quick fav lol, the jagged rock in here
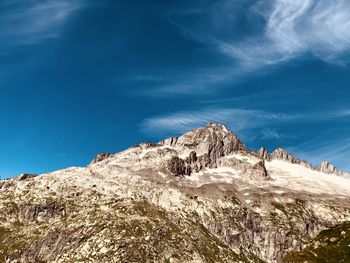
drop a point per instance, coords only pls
(6, 184)
(257, 171)
(100, 157)
(178, 167)
(209, 144)
(306, 164)
(328, 168)
(170, 141)
(194, 163)
(282, 154)
(264, 154)
(215, 140)
(29, 212)
(24, 177)
(10, 183)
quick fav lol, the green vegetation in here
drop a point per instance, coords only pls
(330, 246)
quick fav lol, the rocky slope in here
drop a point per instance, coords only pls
(200, 197)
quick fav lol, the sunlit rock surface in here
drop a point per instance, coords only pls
(201, 197)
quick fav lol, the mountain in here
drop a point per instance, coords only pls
(200, 197)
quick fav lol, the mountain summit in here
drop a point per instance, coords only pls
(200, 197)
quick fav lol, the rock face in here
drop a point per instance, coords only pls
(24, 177)
(178, 167)
(326, 167)
(282, 154)
(258, 171)
(264, 154)
(205, 147)
(215, 141)
(202, 197)
(100, 157)
(39, 212)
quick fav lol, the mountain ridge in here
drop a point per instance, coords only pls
(279, 153)
(199, 197)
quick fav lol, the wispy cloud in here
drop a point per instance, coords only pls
(203, 81)
(294, 28)
(268, 134)
(259, 34)
(237, 119)
(336, 150)
(250, 124)
(29, 22)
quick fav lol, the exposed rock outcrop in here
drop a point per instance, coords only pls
(328, 168)
(282, 154)
(257, 171)
(100, 157)
(24, 177)
(264, 154)
(39, 212)
(206, 145)
(215, 140)
(178, 167)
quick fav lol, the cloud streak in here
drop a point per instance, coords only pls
(336, 150)
(29, 22)
(275, 31)
(293, 28)
(237, 119)
(256, 36)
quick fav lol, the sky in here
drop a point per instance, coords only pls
(80, 77)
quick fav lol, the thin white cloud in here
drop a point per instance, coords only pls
(268, 134)
(262, 33)
(256, 35)
(293, 28)
(336, 150)
(30, 22)
(237, 119)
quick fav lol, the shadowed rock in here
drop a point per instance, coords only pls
(264, 154)
(100, 157)
(257, 171)
(282, 154)
(39, 212)
(178, 167)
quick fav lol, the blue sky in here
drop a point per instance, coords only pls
(79, 77)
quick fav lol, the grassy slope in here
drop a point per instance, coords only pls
(330, 246)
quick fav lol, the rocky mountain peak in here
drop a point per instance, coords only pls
(282, 154)
(218, 127)
(204, 139)
(328, 168)
(202, 148)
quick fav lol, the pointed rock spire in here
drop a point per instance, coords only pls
(328, 168)
(264, 154)
(282, 154)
